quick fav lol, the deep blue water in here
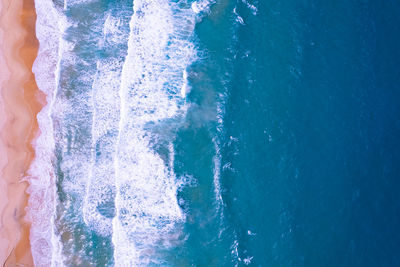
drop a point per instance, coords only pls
(310, 135)
(226, 133)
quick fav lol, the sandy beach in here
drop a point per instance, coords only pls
(20, 102)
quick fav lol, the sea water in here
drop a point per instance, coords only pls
(216, 133)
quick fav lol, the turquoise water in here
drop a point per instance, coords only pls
(226, 133)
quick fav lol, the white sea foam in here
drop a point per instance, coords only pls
(184, 86)
(217, 174)
(238, 17)
(253, 8)
(99, 198)
(46, 248)
(217, 156)
(153, 88)
(200, 6)
(112, 29)
(98, 207)
(122, 169)
(219, 203)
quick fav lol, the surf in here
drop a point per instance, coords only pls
(105, 156)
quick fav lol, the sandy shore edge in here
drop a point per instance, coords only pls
(20, 102)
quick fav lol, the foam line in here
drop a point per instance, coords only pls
(46, 247)
(98, 209)
(100, 191)
(153, 89)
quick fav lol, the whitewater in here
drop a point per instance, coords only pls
(116, 82)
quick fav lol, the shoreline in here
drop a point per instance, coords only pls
(21, 100)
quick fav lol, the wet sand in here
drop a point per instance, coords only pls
(20, 102)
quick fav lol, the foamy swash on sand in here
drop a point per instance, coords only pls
(102, 185)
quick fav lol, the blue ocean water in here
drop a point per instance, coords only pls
(310, 135)
(226, 133)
